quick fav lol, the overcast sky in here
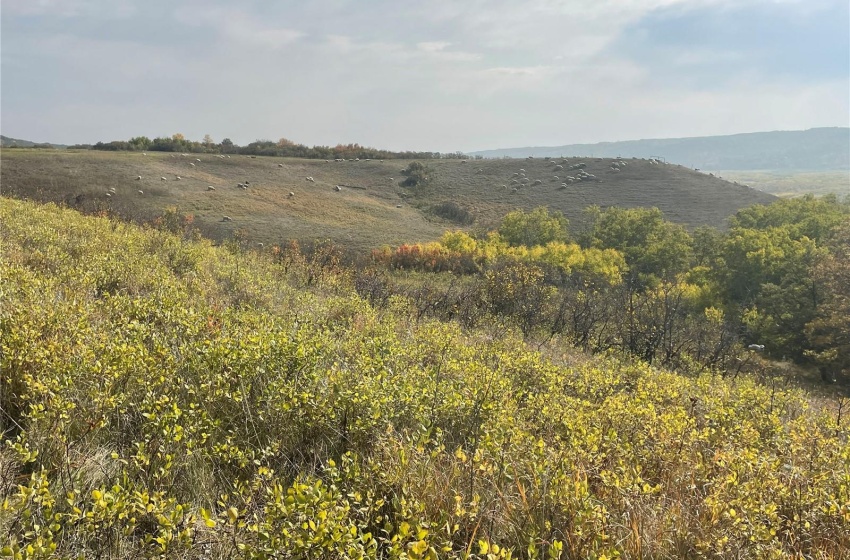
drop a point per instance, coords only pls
(441, 75)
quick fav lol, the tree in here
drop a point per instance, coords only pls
(530, 229)
(416, 173)
(208, 141)
(828, 334)
(653, 247)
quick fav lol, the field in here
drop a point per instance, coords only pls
(167, 398)
(371, 209)
(790, 183)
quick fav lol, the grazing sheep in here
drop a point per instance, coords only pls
(139, 178)
(196, 159)
(192, 164)
(463, 161)
(112, 189)
(559, 167)
(226, 219)
(291, 194)
(141, 192)
(310, 179)
(144, 153)
(337, 188)
(260, 245)
(210, 188)
(756, 347)
(281, 165)
(108, 195)
(515, 175)
(399, 206)
(522, 170)
(163, 179)
(536, 182)
(555, 178)
(179, 177)
(563, 185)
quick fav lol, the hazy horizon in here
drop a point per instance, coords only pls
(443, 77)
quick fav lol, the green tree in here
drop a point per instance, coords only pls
(534, 228)
(828, 333)
(652, 246)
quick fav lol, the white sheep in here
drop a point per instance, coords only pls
(139, 178)
(210, 188)
(163, 179)
(192, 164)
(144, 153)
(226, 219)
(337, 188)
(291, 194)
(756, 347)
(179, 177)
(280, 165)
(141, 192)
(108, 195)
(197, 159)
(310, 179)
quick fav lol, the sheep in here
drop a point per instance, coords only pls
(291, 194)
(522, 170)
(163, 179)
(240, 185)
(141, 191)
(281, 165)
(260, 245)
(192, 164)
(144, 153)
(399, 206)
(563, 185)
(139, 178)
(536, 182)
(108, 195)
(756, 347)
(515, 175)
(210, 188)
(197, 159)
(310, 179)
(555, 178)
(463, 161)
(559, 167)
(226, 219)
(179, 177)
(112, 189)
(337, 188)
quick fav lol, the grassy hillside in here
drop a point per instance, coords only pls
(816, 149)
(371, 209)
(167, 397)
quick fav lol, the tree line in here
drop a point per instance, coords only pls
(635, 282)
(281, 148)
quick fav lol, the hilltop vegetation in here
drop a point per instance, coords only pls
(373, 207)
(162, 396)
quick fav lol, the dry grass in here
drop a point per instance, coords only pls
(371, 210)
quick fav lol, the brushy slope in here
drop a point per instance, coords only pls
(371, 209)
(166, 397)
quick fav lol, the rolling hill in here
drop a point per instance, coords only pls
(371, 208)
(816, 149)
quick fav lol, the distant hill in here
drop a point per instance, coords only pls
(816, 149)
(7, 142)
(370, 208)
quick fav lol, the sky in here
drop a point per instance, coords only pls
(442, 75)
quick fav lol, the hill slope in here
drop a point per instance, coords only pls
(371, 208)
(813, 149)
(165, 398)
